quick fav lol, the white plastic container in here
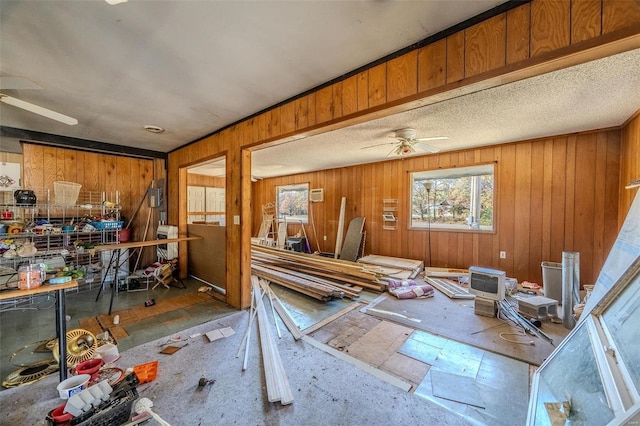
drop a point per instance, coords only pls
(552, 280)
(108, 352)
(73, 385)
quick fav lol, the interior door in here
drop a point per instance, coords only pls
(214, 201)
(195, 203)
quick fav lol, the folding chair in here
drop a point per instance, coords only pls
(164, 276)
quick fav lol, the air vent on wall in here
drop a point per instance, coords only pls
(316, 195)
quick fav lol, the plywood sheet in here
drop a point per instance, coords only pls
(376, 346)
(353, 240)
(455, 319)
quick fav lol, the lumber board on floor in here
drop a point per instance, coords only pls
(315, 276)
(278, 389)
(330, 318)
(394, 267)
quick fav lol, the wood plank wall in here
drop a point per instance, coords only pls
(544, 205)
(542, 32)
(130, 177)
(194, 179)
(630, 163)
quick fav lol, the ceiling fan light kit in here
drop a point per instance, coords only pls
(10, 100)
(407, 143)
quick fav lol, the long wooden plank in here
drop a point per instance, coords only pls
(330, 318)
(315, 280)
(320, 273)
(286, 318)
(278, 388)
(336, 265)
(339, 234)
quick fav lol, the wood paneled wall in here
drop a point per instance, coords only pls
(552, 195)
(528, 40)
(130, 177)
(194, 179)
(630, 164)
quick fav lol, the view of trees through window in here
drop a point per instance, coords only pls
(293, 202)
(460, 198)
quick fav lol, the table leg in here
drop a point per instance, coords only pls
(114, 285)
(61, 332)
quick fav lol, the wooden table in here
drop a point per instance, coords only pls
(115, 257)
(61, 322)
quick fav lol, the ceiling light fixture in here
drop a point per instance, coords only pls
(114, 2)
(38, 110)
(153, 129)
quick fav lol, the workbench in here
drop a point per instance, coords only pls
(115, 256)
(61, 322)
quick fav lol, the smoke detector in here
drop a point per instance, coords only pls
(153, 129)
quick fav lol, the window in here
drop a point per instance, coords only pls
(457, 198)
(293, 203)
(594, 371)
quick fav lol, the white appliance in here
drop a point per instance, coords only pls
(113, 266)
(167, 251)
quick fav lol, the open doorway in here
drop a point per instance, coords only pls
(206, 218)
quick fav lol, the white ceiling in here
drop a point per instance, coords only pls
(194, 67)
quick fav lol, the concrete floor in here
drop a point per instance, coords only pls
(326, 390)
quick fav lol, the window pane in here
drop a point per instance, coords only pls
(293, 203)
(572, 375)
(621, 319)
(458, 198)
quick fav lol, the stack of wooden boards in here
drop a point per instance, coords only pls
(316, 276)
(394, 267)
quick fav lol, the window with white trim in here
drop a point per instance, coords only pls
(293, 203)
(455, 198)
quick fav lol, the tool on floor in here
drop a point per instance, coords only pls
(204, 382)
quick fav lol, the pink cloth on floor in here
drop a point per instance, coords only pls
(393, 283)
(413, 292)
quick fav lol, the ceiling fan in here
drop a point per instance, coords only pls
(16, 83)
(407, 143)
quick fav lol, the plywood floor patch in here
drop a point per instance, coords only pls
(380, 343)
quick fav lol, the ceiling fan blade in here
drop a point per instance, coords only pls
(425, 147)
(434, 138)
(380, 144)
(38, 110)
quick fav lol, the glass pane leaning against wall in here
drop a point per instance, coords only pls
(593, 378)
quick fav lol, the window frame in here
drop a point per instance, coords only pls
(450, 173)
(622, 393)
(296, 218)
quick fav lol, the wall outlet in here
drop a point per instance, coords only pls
(325, 238)
(503, 255)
